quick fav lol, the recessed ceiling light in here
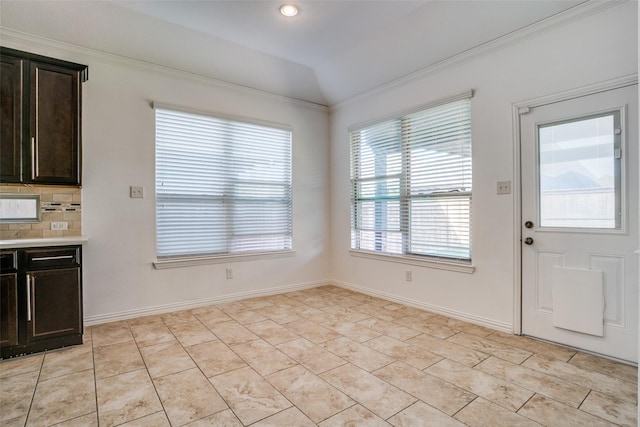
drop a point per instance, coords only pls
(288, 10)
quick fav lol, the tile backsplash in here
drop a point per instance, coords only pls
(56, 204)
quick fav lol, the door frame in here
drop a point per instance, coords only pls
(523, 107)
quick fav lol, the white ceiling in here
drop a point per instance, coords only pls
(332, 50)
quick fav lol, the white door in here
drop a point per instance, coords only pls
(579, 175)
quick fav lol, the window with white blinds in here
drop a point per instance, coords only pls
(411, 184)
(222, 187)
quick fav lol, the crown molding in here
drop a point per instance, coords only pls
(42, 45)
(576, 13)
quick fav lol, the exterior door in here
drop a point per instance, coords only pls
(579, 175)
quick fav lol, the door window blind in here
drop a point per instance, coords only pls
(411, 184)
(222, 186)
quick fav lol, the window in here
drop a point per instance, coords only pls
(222, 187)
(411, 184)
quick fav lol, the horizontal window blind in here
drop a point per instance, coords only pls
(222, 186)
(411, 184)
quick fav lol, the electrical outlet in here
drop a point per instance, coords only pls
(59, 225)
(136, 192)
(408, 276)
(503, 187)
(229, 273)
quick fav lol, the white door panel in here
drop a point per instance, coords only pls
(579, 175)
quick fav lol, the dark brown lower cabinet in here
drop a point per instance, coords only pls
(41, 301)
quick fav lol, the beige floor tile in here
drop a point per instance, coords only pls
(438, 393)
(126, 397)
(288, 417)
(313, 314)
(166, 358)
(378, 311)
(191, 333)
(356, 416)
(63, 398)
(279, 314)
(224, 418)
(538, 347)
(188, 396)
(145, 320)
(351, 330)
(505, 394)
(421, 414)
(117, 359)
(448, 350)
(611, 409)
(21, 365)
(358, 354)
(212, 317)
(67, 361)
(546, 385)
(482, 413)
(89, 420)
(15, 422)
(256, 303)
(231, 305)
(311, 356)
(407, 353)
(626, 390)
(272, 332)
(245, 315)
(605, 366)
(263, 357)
(403, 309)
(313, 396)
(461, 326)
(159, 419)
(250, 397)
(214, 358)
(16, 392)
(177, 317)
(548, 412)
(311, 331)
(203, 309)
(110, 333)
(426, 327)
(233, 333)
(378, 396)
(499, 350)
(346, 313)
(151, 334)
(391, 329)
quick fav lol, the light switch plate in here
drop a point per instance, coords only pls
(136, 192)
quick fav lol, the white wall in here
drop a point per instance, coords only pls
(590, 50)
(118, 151)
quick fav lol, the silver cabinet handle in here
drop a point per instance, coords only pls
(34, 161)
(28, 298)
(50, 258)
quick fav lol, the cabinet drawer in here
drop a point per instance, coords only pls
(8, 261)
(68, 256)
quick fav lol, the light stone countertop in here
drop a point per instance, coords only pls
(50, 241)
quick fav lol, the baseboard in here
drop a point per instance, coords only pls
(477, 320)
(186, 305)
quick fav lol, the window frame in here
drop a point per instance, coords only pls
(404, 198)
(189, 259)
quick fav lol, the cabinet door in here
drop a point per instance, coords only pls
(55, 125)
(8, 309)
(10, 118)
(53, 303)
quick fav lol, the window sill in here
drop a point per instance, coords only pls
(419, 261)
(176, 262)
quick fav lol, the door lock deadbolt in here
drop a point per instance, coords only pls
(528, 224)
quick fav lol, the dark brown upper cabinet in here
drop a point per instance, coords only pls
(41, 101)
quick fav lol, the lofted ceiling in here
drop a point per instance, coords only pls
(331, 51)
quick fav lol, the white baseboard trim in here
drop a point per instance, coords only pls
(478, 320)
(186, 305)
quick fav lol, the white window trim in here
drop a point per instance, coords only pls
(177, 262)
(419, 261)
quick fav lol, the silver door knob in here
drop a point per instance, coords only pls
(528, 241)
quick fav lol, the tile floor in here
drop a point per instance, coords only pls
(324, 356)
